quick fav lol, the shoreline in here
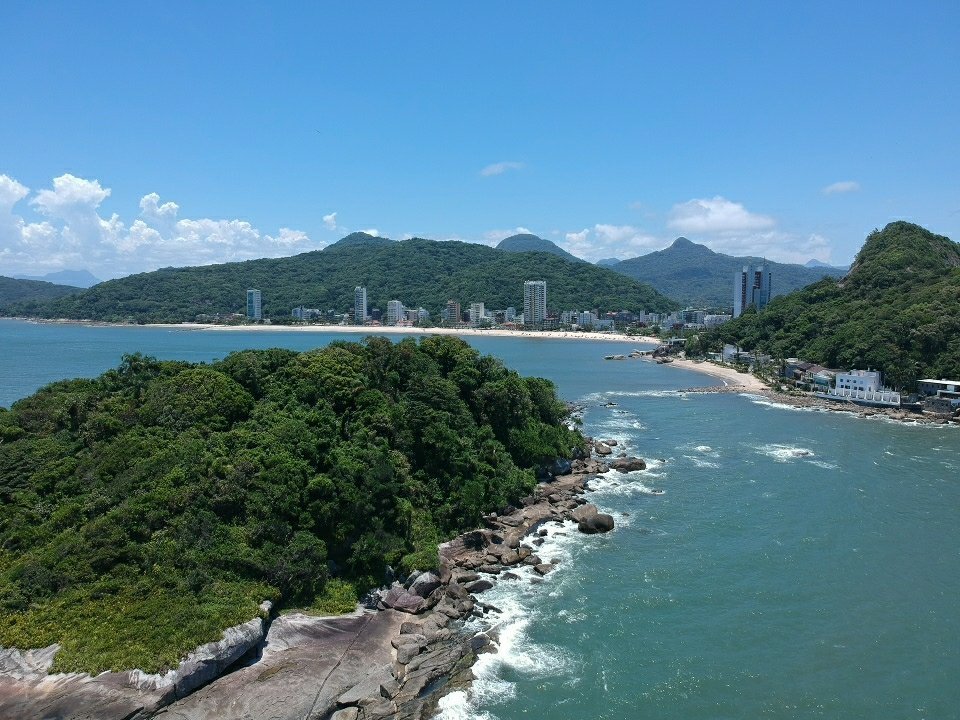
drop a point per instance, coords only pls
(367, 330)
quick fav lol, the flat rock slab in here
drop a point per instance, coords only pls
(307, 664)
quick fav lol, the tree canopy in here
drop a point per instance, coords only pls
(147, 509)
(898, 310)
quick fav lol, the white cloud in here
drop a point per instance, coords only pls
(606, 240)
(774, 245)
(492, 237)
(716, 215)
(500, 168)
(75, 235)
(330, 221)
(372, 231)
(844, 186)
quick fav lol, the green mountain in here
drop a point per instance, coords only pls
(146, 510)
(28, 291)
(897, 310)
(418, 272)
(359, 239)
(74, 278)
(525, 242)
(697, 276)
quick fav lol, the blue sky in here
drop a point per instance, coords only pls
(139, 135)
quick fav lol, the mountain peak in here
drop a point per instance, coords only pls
(359, 238)
(681, 242)
(527, 242)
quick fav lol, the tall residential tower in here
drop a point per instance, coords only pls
(359, 305)
(534, 302)
(750, 287)
(254, 305)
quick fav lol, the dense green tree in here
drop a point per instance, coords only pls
(149, 508)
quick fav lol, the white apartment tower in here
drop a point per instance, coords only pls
(534, 302)
(395, 312)
(359, 305)
(254, 305)
(477, 313)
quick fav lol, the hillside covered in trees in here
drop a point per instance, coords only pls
(146, 510)
(19, 291)
(697, 276)
(418, 272)
(898, 310)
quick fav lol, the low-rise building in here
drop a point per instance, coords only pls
(950, 388)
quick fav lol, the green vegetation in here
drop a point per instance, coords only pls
(526, 242)
(146, 510)
(31, 291)
(898, 310)
(418, 272)
(696, 276)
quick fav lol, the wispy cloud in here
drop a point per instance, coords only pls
(844, 186)
(501, 167)
(605, 240)
(330, 221)
(492, 237)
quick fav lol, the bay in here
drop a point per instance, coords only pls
(799, 564)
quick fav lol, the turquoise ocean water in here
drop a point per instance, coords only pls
(799, 565)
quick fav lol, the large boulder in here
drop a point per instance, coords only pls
(602, 448)
(399, 599)
(628, 464)
(560, 466)
(591, 521)
(424, 584)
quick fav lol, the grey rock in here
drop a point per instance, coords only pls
(399, 599)
(544, 568)
(478, 586)
(425, 584)
(628, 464)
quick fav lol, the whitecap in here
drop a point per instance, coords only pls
(784, 453)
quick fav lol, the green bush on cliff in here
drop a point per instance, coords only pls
(146, 510)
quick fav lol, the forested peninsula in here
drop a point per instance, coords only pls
(897, 310)
(150, 508)
(417, 272)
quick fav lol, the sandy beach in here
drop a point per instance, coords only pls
(731, 377)
(405, 330)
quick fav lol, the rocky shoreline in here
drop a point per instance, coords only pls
(393, 660)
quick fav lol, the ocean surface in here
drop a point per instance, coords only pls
(800, 564)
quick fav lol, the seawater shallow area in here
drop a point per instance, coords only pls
(798, 565)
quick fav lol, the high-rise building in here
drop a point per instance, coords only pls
(534, 302)
(451, 313)
(751, 286)
(477, 313)
(395, 312)
(359, 305)
(254, 305)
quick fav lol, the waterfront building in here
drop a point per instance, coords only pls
(948, 388)
(510, 314)
(534, 302)
(451, 313)
(254, 305)
(868, 380)
(477, 313)
(751, 286)
(395, 312)
(359, 305)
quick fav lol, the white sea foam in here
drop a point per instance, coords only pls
(518, 602)
(784, 453)
(703, 449)
(700, 462)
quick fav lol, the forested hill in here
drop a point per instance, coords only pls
(697, 276)
(417, 272)
(526, 242)
(898, 310)
(16, 291)
(146, 510)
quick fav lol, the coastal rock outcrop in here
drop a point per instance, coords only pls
(591, 521)
(628, 464)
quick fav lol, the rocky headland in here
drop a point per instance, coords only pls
(394, 658)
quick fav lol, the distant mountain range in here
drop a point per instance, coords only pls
(818, 264)
(897, 310)
(418, 272)
(695, 275)
(75, 278)
(15, 290)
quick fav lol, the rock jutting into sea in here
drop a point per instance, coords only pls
(394, 661)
